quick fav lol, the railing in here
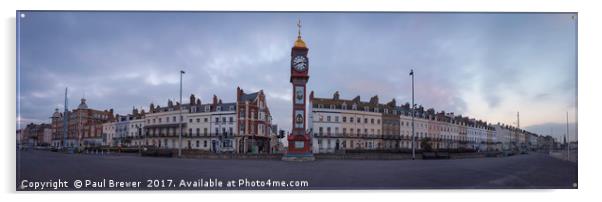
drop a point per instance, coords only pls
(355, 135)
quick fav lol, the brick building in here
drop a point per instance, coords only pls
(84, 126)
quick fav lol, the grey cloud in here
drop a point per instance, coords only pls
(125, 59)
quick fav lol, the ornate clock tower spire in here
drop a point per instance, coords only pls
(299, 147)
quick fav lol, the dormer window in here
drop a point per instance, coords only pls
(332, 106)
(207, 108)
(219, 108)
(354, 107)
(344, 106)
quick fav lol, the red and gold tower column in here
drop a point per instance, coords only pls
(299, 141)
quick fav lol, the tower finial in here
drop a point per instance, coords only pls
(299, 27)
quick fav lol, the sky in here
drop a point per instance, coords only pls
(487, 66)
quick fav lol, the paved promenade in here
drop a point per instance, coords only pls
(533, 170)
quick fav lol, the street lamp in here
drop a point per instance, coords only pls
(568, 140)
(413, 107)
(180, 122)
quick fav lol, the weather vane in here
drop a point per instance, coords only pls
(299, 26)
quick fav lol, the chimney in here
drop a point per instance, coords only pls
(214, 99)
(336, 95)
(374, 100)
(239, 93)
(192, 99)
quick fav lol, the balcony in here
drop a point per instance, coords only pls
(361, 135)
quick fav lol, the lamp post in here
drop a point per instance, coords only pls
(568, 140)
(181, 118)
(413, 136)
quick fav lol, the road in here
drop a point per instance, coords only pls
(522, 171)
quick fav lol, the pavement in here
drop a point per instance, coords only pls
(565, 155)
(530, 171)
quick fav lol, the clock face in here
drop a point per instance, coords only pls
(300, 63)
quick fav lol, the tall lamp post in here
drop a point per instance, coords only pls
(413, 136)
(181, 118)
(568, 140)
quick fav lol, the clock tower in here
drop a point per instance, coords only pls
(299, 141)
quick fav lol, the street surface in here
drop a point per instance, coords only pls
(534, 170)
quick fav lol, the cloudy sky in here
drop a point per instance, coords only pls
(487, 66)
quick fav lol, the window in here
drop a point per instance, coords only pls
(231, 119)
(328, 118)
(344, 119)
(205, 143)
(190, 121)
(336, 119)
(206, 120)
(198, 120)
(365, 120)
(198, 131)
(350, 119)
